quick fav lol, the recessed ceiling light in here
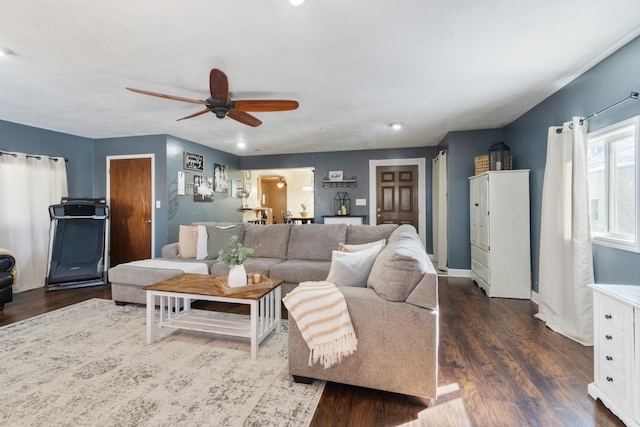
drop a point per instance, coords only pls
(296, 2)
(396, 126)
(241, 145)
(5, 51)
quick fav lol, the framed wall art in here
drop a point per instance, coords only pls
(221, 178)
(193, 161)
(336, 175)
(203, 188)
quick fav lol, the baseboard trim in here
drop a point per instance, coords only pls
(455, 272)
(534, 296)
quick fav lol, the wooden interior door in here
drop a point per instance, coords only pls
(397, 195)
(130, 203)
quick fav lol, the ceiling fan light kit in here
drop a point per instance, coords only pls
(220, 104)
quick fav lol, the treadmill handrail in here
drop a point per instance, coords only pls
(80, 217)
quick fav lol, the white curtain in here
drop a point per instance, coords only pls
(439, 205)
(28, 185)
(566, 261)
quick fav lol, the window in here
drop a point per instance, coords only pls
(613, 160)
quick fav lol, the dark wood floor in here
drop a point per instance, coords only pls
(499, 366)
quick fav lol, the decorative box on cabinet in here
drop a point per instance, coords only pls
(616, 350)
(499, 231)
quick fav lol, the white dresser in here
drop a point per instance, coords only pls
(499, 227)
(616, 351)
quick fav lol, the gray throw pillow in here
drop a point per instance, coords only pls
(398, 269)
(219, 238)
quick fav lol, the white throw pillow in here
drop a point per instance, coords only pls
(352, 268)
(355, 248)
(201, 248)
(187, 241)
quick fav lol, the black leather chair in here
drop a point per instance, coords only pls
(8, 274)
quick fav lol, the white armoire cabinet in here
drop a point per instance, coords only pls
(499, 221)
(616, 350)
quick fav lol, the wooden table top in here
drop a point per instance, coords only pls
(205, 284)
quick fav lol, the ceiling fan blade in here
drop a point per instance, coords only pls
(243, 117)
(162, 95)
(219, 85)
(265, 105)
(206, 110)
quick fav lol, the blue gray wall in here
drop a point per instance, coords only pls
(606, 83)
(174, 210)
(461, 148)
(182, 209)
(77, 150)
(153, 144)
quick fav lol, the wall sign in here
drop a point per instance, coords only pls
(193, 161)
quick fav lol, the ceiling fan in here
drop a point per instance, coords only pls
(220, 104)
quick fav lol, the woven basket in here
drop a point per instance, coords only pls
(481, 164)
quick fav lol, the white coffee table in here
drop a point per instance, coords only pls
(175, 295)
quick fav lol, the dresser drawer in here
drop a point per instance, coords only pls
(612, 337)
(480, 255)
(613, 358)
(480, 270)
(614, 383)
(614, 314)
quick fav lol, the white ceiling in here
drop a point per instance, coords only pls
(354, 65)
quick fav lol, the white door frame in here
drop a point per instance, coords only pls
(422, 191)
(153, 191)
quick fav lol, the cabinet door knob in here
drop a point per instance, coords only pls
(476, 204)
(608, 337)
(607, 316)
(610, 379)
(609, 358)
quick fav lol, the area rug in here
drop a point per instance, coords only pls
(89, 365)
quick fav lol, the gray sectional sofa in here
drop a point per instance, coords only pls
(396, 322)
(394, 314)
(291, 252)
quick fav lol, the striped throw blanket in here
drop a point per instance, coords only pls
(321, 313)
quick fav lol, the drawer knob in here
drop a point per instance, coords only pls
(609, 358)
(610, 379)
(608, 337)
(607, 316)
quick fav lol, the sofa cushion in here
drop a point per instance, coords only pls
(187, 241)
(252, 265)
(315, 241)
(203, 239)
(355, 248)
(300, 270)
(218, 237)
(359, 234)
(402, 232)
(267, 241)
(352, 268)
(398, 268)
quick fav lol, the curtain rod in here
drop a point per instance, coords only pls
(31, 156)
(632, 95)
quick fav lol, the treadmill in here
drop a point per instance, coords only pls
(77, 243)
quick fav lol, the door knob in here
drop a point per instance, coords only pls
(379, 216)
(378, 210)
(148, 221)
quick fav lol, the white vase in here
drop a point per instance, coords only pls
(237, 276)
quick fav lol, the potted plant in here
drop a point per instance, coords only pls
(235, 258)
